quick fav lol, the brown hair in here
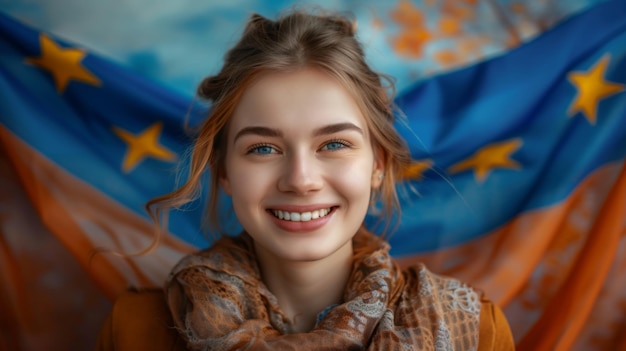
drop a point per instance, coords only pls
(293, 41)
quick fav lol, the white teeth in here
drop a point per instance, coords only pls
(301, 216)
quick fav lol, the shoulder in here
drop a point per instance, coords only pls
(223, 271)
(213, 291)
(495, 333)
(462, 311)
(229, 259)
(228, 254)
(139, 320)
(451, 294)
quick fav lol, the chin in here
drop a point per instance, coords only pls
(311, 252)
(307, 256)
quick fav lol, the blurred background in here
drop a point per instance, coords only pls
(179, 42)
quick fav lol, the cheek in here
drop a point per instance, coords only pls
(247, 182)
(354, 180)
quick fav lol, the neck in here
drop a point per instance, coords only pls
(304, 289)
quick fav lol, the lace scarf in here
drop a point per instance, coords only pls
(219, 302)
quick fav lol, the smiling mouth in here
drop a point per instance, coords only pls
(302, 216)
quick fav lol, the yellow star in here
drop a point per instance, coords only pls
(142, 145)
(63, 63)
(492, 156)
(416, 169)
(592, 88)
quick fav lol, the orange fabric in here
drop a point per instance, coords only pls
(495, 333)
(63, 201)
(574, 301)
(44, 291)
(139, 321)
(142, 321)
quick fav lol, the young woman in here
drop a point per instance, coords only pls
(300, 135)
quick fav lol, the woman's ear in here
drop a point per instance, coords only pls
(378, 173)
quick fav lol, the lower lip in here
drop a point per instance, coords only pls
(300, 227)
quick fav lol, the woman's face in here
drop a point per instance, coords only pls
(299, 165)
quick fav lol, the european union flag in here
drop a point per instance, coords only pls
(518, 185)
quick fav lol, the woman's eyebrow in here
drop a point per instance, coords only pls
(262, 131)
(270, 132)
(335, 128)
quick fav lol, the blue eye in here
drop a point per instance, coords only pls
(334, 145)
(262, 150)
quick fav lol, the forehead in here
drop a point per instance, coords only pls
(305, 97)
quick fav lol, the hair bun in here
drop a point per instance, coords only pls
(210, 87)
(256, 21)
(344, 24)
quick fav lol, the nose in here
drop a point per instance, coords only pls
(301, 174)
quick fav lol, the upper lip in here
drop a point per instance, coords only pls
(298, 208)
